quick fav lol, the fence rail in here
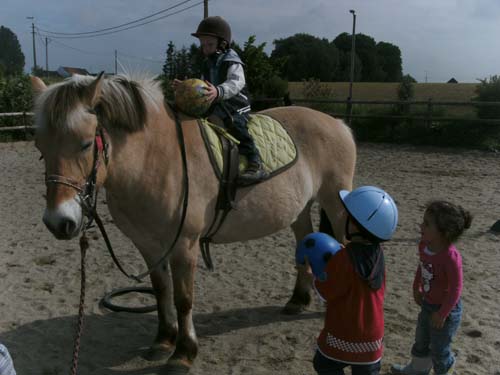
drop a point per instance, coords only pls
(427, 117)
(26, 127)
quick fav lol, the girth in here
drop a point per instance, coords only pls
(227, 191)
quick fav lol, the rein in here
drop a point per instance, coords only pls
(88, 200)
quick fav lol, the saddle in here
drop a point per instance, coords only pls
(277, 150)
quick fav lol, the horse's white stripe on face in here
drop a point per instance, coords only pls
(69, 211)
(77, 118)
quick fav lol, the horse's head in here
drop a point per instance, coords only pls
(76, 121)
(68, 136)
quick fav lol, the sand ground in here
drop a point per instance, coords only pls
(237, 307)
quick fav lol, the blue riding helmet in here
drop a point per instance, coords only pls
(316, 246)
(373, 209)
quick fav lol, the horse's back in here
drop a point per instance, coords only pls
(318, 136)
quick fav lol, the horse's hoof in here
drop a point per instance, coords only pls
(176, 367)
(293, 308)
(158, 352)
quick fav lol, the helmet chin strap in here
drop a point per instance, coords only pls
(349, 235)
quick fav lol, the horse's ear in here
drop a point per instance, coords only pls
(37, 85)
(94, 90)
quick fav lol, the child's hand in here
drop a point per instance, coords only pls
(175, 83)
(306, 267)
(418, 297)
(211, 92)
(437, 321)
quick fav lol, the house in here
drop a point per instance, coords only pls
(452, 80)
(66, 71)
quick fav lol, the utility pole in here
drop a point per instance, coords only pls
(353, 48)
(205, 9)
(46, 57)
(116, 62)
(34, 48)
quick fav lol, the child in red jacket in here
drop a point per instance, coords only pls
(353, 283)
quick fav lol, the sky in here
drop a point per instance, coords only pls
(439, 39)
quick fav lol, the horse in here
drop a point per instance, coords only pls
(140, 168)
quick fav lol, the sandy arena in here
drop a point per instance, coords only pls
(237, 307)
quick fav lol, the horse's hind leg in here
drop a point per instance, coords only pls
(332, 206)
(301, 296)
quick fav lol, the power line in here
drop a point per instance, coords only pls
(128, 28)
(119, 26)
(79, 50)
(140, 58)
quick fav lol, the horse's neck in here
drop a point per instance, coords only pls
(144, 158)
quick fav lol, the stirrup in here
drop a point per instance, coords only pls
(252, 175)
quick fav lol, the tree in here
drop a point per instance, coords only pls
(169, 66)
(261, 75)
(182, 64)
(306, 57)
(389, 59)
(196, 60)
(378, 62)
(11, 56)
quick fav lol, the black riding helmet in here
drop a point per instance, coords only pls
(214, 26)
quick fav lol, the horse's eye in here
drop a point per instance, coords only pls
(86, 145)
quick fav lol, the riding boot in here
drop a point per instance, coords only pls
(253, 173)
(417, 366)
(450, 370)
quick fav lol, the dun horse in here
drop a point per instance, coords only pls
(141, 170)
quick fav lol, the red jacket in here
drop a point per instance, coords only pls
(354, 323)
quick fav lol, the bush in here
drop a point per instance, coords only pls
(275, 87)
(15, 96)
(489, 91)
(314, 89)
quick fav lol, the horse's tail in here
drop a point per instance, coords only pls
(325, 224)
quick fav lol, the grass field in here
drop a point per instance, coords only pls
(388, 91)
(438, 92)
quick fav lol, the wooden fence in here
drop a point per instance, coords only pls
(26, 126)
(426, 116)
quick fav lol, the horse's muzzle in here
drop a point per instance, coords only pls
(65, 222)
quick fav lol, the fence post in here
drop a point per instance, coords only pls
(429, 113)
(25, 126)
(349, 110)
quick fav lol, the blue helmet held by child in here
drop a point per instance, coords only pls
(373, 209)
(318, 247)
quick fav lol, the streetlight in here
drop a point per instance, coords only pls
(34, 50)
(353, 48)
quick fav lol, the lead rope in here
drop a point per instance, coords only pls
(84, 245)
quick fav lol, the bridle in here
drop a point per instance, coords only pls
(87, 193)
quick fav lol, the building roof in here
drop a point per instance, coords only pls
(71, 70)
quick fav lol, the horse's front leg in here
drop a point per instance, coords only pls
(183, 265)
(164, 343)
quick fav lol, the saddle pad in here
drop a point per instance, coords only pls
(276, 147)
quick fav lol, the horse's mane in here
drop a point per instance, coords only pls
(123, 104)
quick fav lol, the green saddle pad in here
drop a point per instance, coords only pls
(276, 147)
